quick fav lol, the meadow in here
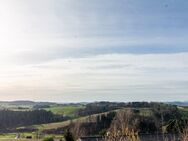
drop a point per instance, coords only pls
(68, 110)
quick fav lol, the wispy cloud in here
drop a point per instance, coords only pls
(114, 74)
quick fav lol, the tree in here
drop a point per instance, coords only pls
(68, 136)
(78, 129)
(122, 127)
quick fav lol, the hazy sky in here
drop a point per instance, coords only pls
(91, 50)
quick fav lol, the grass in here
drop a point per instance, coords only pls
(65, 110)
(183, 110)
(57, 125)
(147, 112)
(68, 110)
(8, 135)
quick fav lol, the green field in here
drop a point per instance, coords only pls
(65, 110)
(185, 108)
(7, 136)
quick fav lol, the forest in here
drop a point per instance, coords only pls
(10, 119)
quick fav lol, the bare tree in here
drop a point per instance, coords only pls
(78, 130)
(122, 127)
(184, 134)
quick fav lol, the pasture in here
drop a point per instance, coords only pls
(68, 110)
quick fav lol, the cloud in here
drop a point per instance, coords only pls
(35, 32)
(117, 75)
(39, 50)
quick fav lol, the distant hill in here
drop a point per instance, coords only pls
(178, 103)
(17, 102)
(24, 103)
(32, 103)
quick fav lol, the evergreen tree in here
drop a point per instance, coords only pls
(68, 136)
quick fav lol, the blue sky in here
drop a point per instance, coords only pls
(93, 50)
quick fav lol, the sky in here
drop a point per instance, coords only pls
(94, 50)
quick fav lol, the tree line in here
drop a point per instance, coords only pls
(11, 119)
